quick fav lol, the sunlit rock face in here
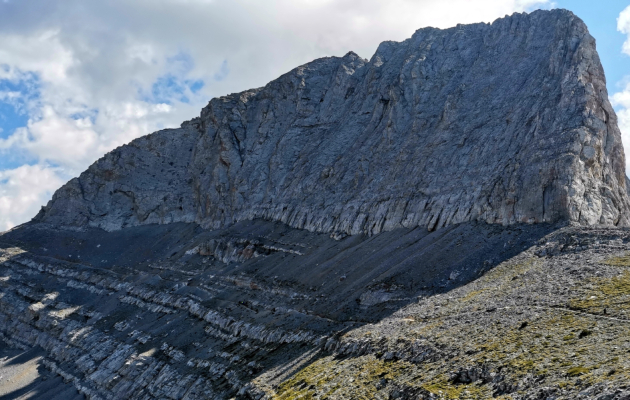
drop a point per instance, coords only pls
(503, 123)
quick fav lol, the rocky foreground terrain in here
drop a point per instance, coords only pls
(262, 310)
(447, 220)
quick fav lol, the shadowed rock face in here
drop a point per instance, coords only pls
(504, 123)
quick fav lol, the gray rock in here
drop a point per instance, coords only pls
(161, 321)
(504, 123)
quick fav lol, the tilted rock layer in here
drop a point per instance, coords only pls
(200, 296)
(505, 122)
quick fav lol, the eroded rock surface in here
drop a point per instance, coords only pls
(471, 311)
(277, 247)
(176, 311)
(505, 122)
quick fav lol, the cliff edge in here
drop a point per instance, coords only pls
(504, 123)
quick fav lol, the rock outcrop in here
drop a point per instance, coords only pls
(504, 123)
(177, 312)
(263, 311)
(277, 247)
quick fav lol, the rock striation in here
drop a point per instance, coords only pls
(504, 123)
(277, 247)
(177, 312)
(263, 311)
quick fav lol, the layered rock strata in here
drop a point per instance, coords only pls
(405, 314)
(177, 312)
(505, 122)
(238, 256)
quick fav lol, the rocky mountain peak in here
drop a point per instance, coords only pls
(237, 257)
(505, 123)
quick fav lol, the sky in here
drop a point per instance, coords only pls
(80, 78)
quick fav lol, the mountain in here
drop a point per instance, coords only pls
(503, 123)
(444, 221)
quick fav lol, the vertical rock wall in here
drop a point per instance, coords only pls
(504, 123)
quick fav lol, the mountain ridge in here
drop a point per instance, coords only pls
(443, 221)
(430, 132)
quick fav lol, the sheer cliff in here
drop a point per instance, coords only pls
(504, 123)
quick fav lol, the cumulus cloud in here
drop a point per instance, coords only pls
(621, 99)
(90, 76)
(23, 191)
(623, 26)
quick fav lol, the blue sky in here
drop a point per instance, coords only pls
(78, 78)
(601, 19)
(17, 99)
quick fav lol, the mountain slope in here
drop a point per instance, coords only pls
(444, 221)
(503, 123)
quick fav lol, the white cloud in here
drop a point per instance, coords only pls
(61, 140)
(110, 71)
(621, 102)
(623, 26)
(23, 191)
(621, 99)
(39, 51)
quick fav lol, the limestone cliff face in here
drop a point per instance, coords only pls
(505, 122)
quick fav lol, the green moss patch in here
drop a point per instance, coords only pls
(577, 371)
(607, 293)
(355, 378)
(623, 261)
(447, 390)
